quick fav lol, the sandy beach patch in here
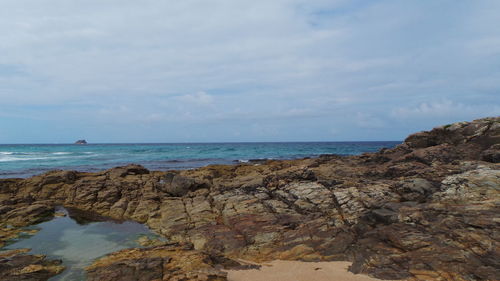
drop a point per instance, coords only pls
(298, 271)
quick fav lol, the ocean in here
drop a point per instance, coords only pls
(24, 160)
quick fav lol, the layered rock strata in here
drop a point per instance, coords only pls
(425, 210)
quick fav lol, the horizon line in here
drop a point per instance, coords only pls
(209, 142)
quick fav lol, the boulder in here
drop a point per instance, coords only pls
(131, 169)
(180, 185)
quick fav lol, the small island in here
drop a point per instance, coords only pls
(81, 142)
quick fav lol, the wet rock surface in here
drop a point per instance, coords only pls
(425, 210)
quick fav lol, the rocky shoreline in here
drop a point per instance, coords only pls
(425, 210)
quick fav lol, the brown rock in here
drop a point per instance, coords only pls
(427, 209)
(16, 265)
(169, 262)
(131, 169)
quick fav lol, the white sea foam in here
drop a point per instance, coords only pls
(6, 153)
(7, 159)
(25, 153)
(61, 153)
(11, 159)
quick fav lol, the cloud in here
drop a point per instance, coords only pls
(295, 66)
(445, 108)
(368, 121)
(199, 98)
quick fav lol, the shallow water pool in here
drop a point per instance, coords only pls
(79, 244)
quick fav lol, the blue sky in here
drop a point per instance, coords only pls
(226, 70)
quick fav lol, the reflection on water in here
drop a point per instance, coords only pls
(78, 245)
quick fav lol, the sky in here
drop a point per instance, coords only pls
(233, 71)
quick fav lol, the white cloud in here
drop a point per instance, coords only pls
(315, 64)
(199, 98)
(369, 121)
(445, 108)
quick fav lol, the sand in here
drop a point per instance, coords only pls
(298, 271)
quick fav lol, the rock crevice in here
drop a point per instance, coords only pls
(425, 210)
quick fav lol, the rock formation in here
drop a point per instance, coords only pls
(16, 265)
(81, 142)
(425, 210)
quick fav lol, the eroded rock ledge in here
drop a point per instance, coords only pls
(425, 210)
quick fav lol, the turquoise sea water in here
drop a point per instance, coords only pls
(23, 160)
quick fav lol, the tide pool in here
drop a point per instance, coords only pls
(78, 245)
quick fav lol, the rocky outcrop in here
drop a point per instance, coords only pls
(425, 210)
(454, 228)
(81, 142)
(170, 263)
(16, 265)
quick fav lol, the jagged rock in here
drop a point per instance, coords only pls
(15, 265)
(170, 263)
(418, 185)
(180, 185)
(27, 214)
(481, 184)
(427, 209)
(484, 132)
(492, 154)
(415, 189)
(131, 169)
